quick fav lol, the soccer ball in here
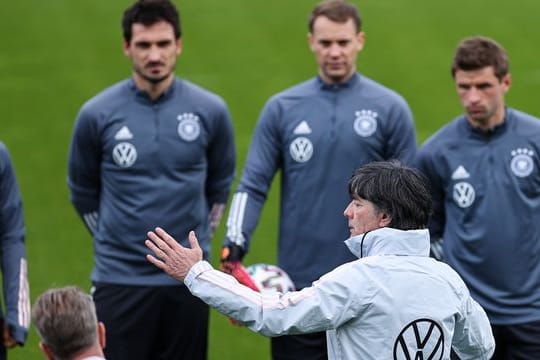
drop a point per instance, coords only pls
(270, 278)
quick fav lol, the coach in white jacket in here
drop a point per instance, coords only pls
(394, 302)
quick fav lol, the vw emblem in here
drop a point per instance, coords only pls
(301, 149)
(522, 165)
(124, 154)
(421, 339)
(464, 194)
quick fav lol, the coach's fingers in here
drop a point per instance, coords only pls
(155, 261)
(155, 249)
(158, 242)
(193, 240)
(167, 239)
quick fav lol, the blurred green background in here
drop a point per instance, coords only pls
(58, 53)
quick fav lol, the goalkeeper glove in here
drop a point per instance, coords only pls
(231, 263)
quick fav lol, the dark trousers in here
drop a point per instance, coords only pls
(161, 323)
(3, 350)
(517, 342)
(300, 347)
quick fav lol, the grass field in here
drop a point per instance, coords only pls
(58, 53)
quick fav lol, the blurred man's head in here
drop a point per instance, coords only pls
(335, 37)
(65, 319)
(481, 75)
(150, 12)
(152, 40)
(387, 194)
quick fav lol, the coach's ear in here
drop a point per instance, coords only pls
(384, 219)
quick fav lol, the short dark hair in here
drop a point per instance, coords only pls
(478, 52)
(66, 321)
(397, 190)
(149, 12)
(338, 11)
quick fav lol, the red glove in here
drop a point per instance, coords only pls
(231, 264)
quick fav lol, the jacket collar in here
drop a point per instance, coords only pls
(389, 241)
(354, 79)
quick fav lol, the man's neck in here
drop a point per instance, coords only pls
(488, 125)
(93, 351)
(331, 81)
(154, 90)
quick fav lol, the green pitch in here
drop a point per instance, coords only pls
(56, 54)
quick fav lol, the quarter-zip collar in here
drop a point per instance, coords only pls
(389, 241)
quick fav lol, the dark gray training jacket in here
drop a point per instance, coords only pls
(13, 252)
(317, 135)
(486, 193)
(135, 164)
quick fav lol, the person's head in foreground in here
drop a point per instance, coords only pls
(481, 74)
(387, 194)
(65, 319)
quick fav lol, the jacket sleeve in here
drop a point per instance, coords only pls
(473, 338)
(325, 305)
(402, 136)
(263, 161)
(221, 164)
(13, 252)
(84, 168)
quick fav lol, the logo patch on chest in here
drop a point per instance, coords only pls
(463, 194)
(189, 126)
(124, 154)
(301, 149)
(302, 129)
(365, 123)
(522, 163)
(123, 134)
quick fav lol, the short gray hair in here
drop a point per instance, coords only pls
(66, 321)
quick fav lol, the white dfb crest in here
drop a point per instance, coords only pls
(270, 278)
(188, 126)
(365, 123)
(124, 154)
(522, 163)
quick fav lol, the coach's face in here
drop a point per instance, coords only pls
(336, 46)
(153, 51)
(363, 216)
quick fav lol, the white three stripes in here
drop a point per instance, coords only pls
(236, 218)
(23, 304)
(91, 220)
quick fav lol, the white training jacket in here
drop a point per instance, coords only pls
(394, 302)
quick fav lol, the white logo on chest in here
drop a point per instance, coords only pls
(522, 163)
(463, 194)
(365, 123)
(301, 149)
(124, 154)
(188, 126)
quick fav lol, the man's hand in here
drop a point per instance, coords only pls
(231, 255)
(170, 256)
(9, 341)
(231, 263)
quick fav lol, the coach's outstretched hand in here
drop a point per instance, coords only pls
(170, 256)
